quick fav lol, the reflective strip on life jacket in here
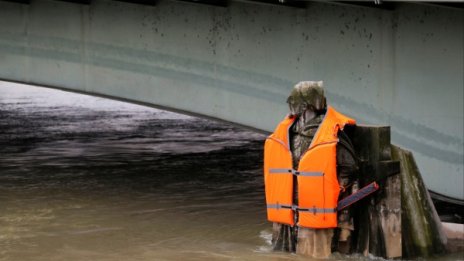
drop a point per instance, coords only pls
(295, 172)
(310, 173)
(280, 171)
(278, 206)
(318, 210)
(294, 207)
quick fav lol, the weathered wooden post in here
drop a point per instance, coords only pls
(423, 234)
(400, 220)
(377, 218)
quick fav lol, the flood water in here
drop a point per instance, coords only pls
(85, 178)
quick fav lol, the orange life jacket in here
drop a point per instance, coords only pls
(318, 186)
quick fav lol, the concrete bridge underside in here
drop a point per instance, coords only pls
(237, 63)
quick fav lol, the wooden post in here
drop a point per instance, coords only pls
(377, 218)
(423, 235)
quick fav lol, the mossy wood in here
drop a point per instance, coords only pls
(423, 234)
